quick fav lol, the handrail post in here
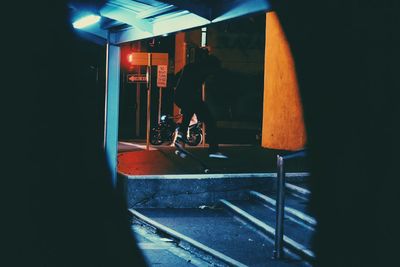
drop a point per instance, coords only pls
(280, 206)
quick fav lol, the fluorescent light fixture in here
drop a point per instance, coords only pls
(86, 21)
(179, 22)
(241, 8)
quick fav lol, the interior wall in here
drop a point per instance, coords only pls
(179, 59)
(239, 44)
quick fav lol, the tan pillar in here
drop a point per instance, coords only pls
(283, 126)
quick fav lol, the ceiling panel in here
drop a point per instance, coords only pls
(130, 20)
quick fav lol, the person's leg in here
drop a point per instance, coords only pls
(205, 116)
(187, 114)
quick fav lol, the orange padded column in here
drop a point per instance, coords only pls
(283, 126)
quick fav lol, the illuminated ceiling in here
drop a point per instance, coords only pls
(127, 20)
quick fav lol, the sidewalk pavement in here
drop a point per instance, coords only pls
(134, 159)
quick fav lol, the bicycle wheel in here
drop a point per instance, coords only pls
(195, 137)
(155, 136)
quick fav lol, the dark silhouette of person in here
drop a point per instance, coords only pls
(188, 97)
(58, 204)
(347, 61)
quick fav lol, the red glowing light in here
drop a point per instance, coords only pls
(130, 58)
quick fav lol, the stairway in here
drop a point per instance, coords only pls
(260, 211)
(238, 232)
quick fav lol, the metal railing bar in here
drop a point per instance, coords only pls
(280, 200)
(296, 154)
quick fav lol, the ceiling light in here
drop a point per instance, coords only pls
(86, 21)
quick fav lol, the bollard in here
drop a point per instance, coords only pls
(280, 209)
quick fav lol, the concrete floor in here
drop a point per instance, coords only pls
(134, 159)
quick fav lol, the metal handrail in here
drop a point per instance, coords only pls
(280, 200)
(296, 154)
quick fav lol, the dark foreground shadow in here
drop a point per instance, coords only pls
(58, 206)
(346, 56)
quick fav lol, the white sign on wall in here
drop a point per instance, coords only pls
(162, 71)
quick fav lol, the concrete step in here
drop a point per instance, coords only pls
(194, 190)
(161, 251)
(218, 230)
(293, 201)
(302, 189)
(297, 237)
(299, 190)
(295, 209)
(199, 250)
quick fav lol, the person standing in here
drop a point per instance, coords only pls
(188, 98)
